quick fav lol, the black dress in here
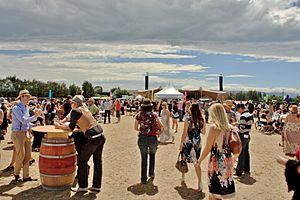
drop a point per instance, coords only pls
(293, 178)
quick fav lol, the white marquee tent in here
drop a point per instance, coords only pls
(168, 92)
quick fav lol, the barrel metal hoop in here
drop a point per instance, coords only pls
(64, 156)
(57, 176)
(57, 145)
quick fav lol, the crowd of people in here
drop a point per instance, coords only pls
(156, 122)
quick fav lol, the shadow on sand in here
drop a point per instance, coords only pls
(149, 188)
(246, 179)
(8, 148)
(39, 193)
(189, 193)
(165, 143)
(4, 173)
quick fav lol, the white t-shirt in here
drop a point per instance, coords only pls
(107, 105)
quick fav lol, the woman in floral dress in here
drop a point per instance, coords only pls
(291, 137)
(220, 168)
(191, 139)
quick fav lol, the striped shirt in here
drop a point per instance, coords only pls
(246, 121)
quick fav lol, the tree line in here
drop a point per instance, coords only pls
(10, 87)
(258, 96)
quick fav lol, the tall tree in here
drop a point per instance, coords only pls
(73, 90)
(88, 89)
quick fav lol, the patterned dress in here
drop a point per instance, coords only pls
(192, 144)
(291, 137)
(220, 170)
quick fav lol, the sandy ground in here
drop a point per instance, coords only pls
(121, 168)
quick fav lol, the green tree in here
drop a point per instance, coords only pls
(117, 92)
(88, 89)
(73, 90)
(241, 96)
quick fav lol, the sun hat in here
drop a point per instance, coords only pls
(294, 109)
(230, 104)
(146, 102)
(225, 105)
(91, 100)
(78, 99)
(23, 93)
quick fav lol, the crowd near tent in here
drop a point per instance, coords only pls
(169, 92)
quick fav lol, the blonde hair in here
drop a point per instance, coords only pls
(218, 116)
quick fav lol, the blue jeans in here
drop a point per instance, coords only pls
(147, 144)
(244, 157)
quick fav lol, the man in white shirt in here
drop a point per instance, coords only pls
(107, 107)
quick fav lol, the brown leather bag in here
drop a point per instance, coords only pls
(235, 143)
(181, 164)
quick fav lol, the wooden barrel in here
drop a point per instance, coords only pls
(57, 163)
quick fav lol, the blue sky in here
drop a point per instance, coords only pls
(255, 44)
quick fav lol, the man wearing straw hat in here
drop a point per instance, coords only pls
(93, 144)
(20, 134)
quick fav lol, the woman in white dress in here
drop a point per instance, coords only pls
(291, 137)
(166, 134)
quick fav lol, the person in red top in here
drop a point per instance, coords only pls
(148, 126)
(118, 110)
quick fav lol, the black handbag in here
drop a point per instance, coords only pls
(181, 164)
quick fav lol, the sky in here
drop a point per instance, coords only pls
(255, 44)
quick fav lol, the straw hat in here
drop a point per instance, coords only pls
(91, 100)
(294, 109)
(78, 99)
(23, 93)
(146, 103)
(230, 104)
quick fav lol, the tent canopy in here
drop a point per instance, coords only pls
(169, 92)
(139, 97)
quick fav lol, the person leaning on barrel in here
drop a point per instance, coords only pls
(92, 145)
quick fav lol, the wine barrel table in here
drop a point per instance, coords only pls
(57, 160)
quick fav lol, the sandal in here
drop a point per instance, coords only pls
(9, 168)
(31, 162)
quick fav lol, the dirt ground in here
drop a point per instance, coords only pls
(121, 171)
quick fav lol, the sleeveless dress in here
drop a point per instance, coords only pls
(192, 144)
(220, 169)
(166, 133)
(291, 137)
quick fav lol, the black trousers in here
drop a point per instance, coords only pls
(91, 147)
(79, 138)
(37, 139)
(107, 114)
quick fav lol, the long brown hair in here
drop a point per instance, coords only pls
(197, 118)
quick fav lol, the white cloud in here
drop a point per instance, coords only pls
(98, 63)
(74, 63)
(239, 76)
(243, 87)
(212, 75)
